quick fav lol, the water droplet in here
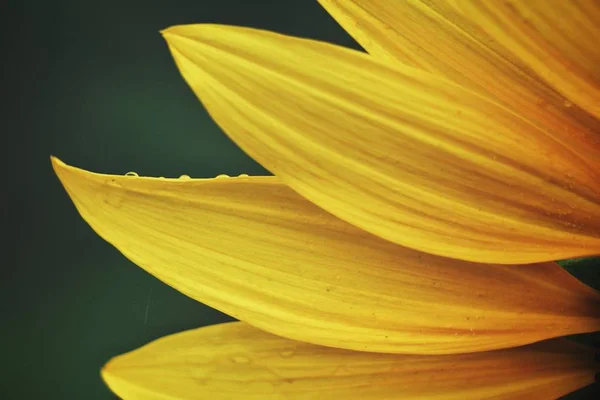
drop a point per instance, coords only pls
(567, 103)
(185, 177)
(131, 173)
(287, 353)
(243, 176)
(239, 359)
(221, 176)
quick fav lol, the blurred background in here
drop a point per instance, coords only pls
(94, 84)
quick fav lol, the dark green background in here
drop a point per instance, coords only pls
(93, 83)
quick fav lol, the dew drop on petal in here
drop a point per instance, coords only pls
(221, 176)
(567, 103)
(131, 173)
(185, 177)
(287, 353)
(243, 176)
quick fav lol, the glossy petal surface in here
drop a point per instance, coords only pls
(401, 153)
(237, 361)
(255, 249)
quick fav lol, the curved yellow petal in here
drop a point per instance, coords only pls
(237, 361)
(403, 154)
(424, 34)
(432, 36)
(254, 249)
(558, 41)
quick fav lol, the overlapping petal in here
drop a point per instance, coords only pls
(399, 152)
(237, 361)
(255, 249)
(558, 41)
(433, 36)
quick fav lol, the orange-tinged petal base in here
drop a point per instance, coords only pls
(559, 41)
(433, 36)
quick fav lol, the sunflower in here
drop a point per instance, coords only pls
(405, 246)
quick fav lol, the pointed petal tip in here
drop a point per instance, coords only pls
(204, 31)
(56, 162)
(59, 167)
(172, 35)
(179, 30)
(172, 30)
(113, 369)
(107, 373)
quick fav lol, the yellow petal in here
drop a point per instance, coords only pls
(237, 361)
(419, 33)
(256, 250)
(403, 154)
(432, 36)
(559, 42)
